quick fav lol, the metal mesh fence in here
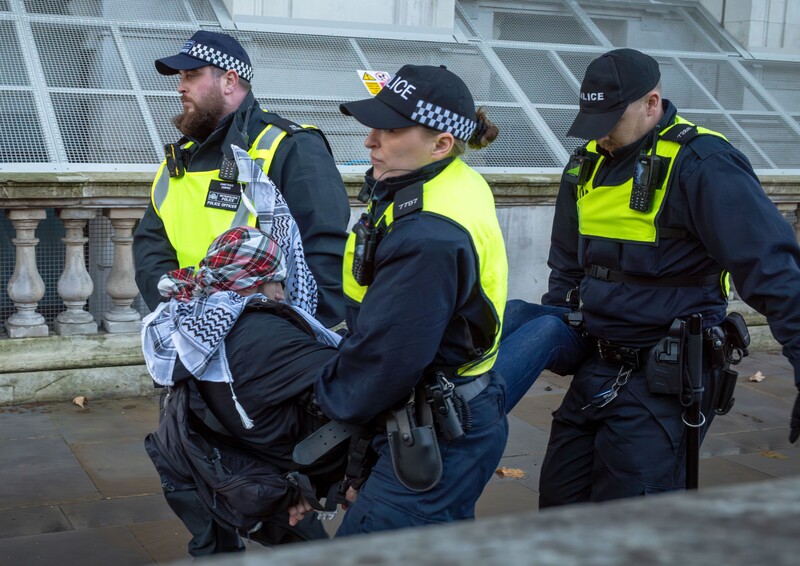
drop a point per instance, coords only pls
(12, 66)
(20, 129)
(79, 56)
(119, 10)
(654, 27)
(78, 87)
(781, 79)
(103, 129)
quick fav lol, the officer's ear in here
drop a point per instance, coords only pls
(443, 145)
(653, 102)
(229, 81)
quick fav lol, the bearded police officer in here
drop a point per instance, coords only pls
(195, 196)
(650, 218)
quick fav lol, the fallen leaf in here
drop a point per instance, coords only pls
(80, 400)
(504, 472)
(757, 376)
(773, 454)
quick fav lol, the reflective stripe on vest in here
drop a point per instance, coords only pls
(180, 202)
(604, 211)
(460, 195)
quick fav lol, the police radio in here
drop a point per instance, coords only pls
(647, 177)
(367, 236)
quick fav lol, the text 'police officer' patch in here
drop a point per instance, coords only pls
(223, 195)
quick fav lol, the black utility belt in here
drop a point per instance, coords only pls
(612, 353)
(723, 345)
(667, 363)
(436, 410)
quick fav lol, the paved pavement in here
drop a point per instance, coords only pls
(76, 486)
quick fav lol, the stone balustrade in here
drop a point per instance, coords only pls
(77, 343)
(77, 199)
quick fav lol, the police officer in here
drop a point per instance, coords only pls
(650, 217)
(195, 196)
(425, 276)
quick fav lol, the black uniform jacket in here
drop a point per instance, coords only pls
(415, 315)
(731, 224)
(305, 173)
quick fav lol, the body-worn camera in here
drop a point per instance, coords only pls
(367, 236)
(173, 154)
(580, 167)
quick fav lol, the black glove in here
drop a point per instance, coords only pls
(794, 424)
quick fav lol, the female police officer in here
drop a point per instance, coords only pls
(425, 274)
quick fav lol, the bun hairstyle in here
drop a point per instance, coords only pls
(484, 134)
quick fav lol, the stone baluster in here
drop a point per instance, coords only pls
(75, 285)
(121, 285)
(26, 288)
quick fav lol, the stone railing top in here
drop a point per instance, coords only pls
(120, 189)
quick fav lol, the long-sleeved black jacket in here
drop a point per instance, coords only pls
(273, 361)
(416, 314)
(304, 171)
(732, 224)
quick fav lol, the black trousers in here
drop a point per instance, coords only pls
(635, 445)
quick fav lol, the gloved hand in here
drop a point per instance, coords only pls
(794, 424)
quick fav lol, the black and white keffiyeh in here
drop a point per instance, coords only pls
(195, 329)
(265, 201)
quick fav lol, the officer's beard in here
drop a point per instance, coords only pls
(199, 122)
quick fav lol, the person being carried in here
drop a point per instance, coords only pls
(254, 360)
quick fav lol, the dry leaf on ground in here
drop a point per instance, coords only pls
(773, 454)
(504, 472)
(80, 400)
(757, 376)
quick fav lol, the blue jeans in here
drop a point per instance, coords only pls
(467, 465)
(535, 338)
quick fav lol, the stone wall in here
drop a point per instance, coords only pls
(101, 356)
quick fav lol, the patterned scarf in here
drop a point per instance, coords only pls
(241, 258)
(206, 306)
(194, 326)
(266, 202)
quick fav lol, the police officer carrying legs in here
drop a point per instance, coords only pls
(425, 276)
(196, 197)
(651, 216)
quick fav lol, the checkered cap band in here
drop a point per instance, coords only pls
(221, 60)
(438, 118)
